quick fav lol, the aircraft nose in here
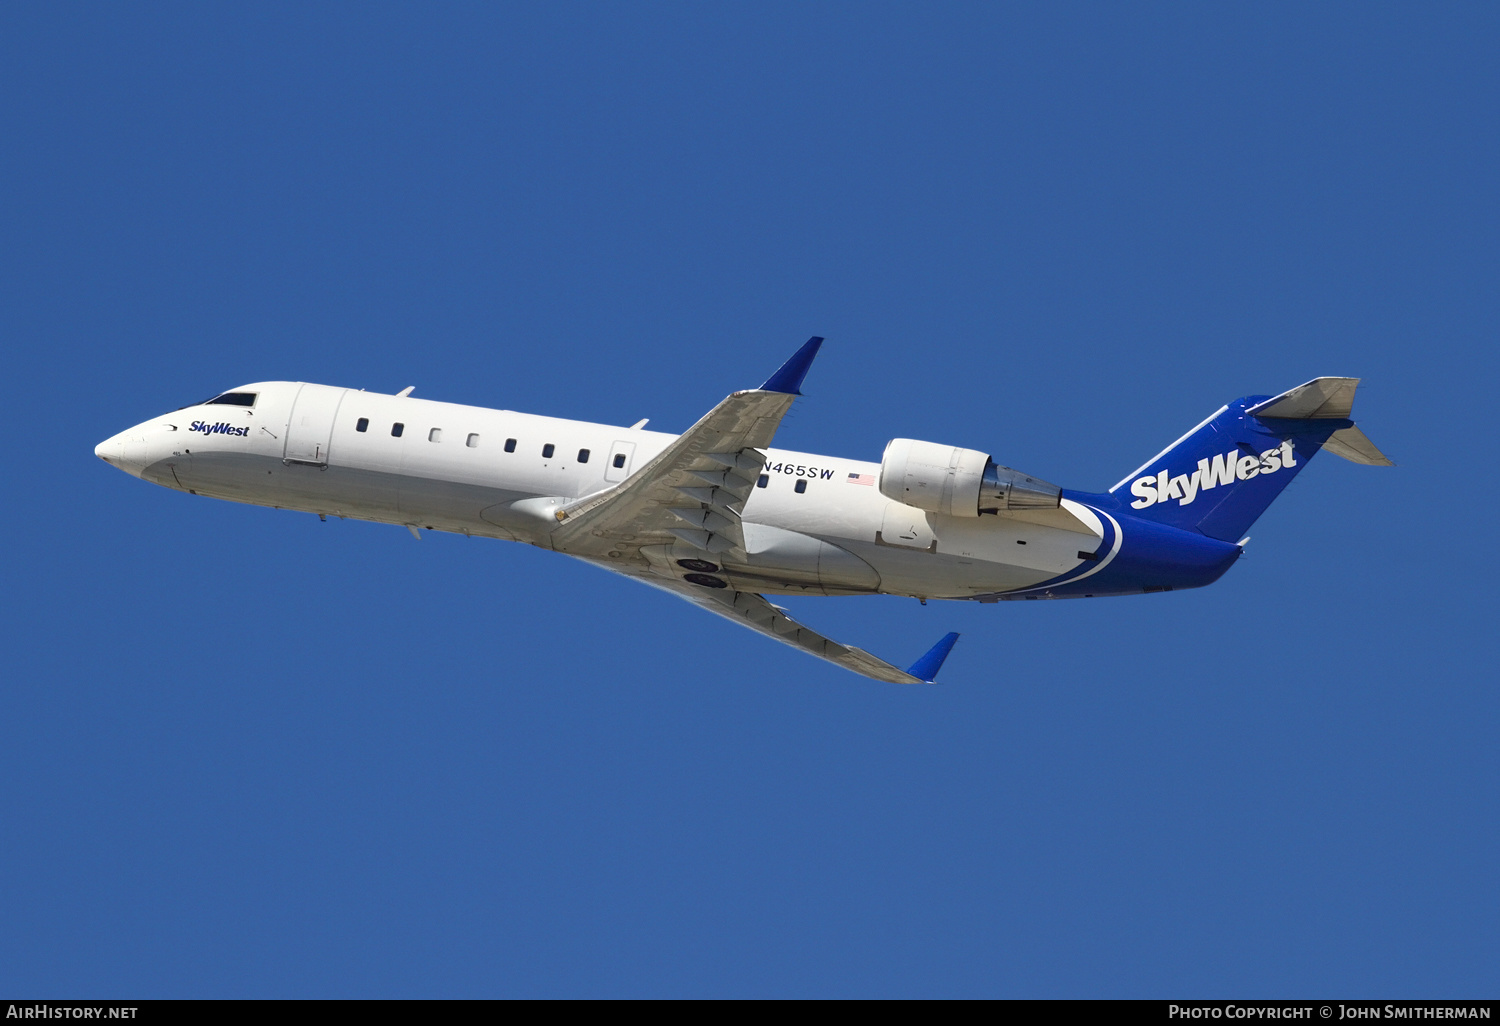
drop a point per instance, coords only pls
(126, 451)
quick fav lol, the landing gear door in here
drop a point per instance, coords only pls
(310, 431)
(618, 468)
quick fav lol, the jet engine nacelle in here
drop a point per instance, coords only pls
(958, 482)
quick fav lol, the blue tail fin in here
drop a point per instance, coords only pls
(1219, 477)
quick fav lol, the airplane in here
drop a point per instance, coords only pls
(717, 516)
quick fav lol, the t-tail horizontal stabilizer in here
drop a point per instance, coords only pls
(1351, 443)
(1326, 399)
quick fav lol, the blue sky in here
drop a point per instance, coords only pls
(251, 754)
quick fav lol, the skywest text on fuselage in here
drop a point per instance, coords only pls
(218, 429)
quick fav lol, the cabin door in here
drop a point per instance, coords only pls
(310, 432)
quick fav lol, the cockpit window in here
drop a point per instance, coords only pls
(233, 399)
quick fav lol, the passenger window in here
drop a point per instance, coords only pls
(619, 460)
(801, 485)
(396, 430)
(583, 455)
(764, 480)
(233, 399)
(510, 445)
(435, 435)
(363, 424)
(473, 442)
(548, 450)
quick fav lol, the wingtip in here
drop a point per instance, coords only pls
(789, 378)
(926, 669)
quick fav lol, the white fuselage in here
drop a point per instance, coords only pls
(498, 474)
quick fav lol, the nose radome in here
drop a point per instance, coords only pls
(126, 451)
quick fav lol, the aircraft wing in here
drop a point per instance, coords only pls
(695, 491)
(755, 612)
(696, 488)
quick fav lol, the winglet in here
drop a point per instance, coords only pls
(927, 667)
(789, 378)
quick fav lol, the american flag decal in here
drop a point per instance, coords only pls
(864, 479)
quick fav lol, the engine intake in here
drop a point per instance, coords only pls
(958, 482)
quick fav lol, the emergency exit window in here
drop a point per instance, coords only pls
(619, 460)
